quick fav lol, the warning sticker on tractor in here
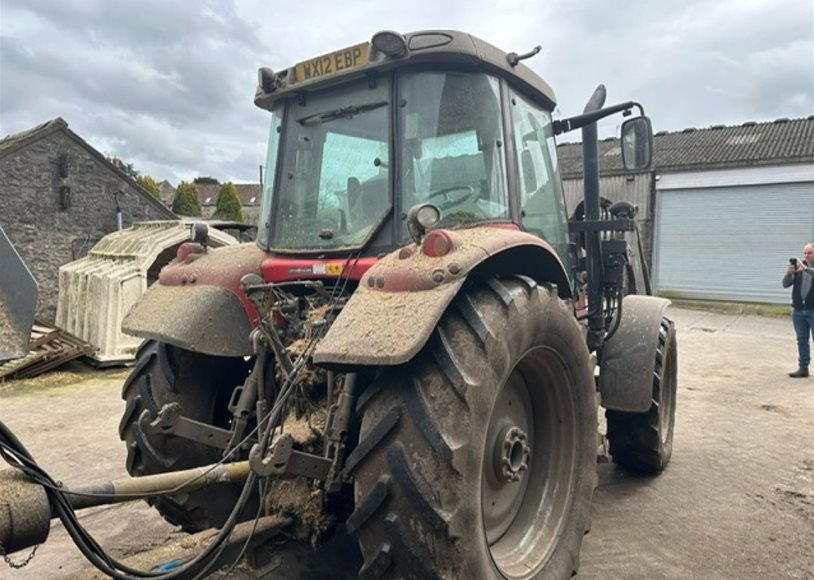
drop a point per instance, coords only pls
(333, 269)
(331, 63)
(318, 268)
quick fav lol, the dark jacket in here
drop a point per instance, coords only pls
(799, 301)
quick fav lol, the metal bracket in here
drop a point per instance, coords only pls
(284, 461)
(169, 421)
(620, 224)
(614, 258)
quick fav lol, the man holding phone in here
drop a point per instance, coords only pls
(800, 275)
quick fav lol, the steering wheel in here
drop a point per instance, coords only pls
(450, 201)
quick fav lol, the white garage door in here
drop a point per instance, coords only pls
(731, 243)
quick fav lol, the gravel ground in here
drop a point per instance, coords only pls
(736, 502)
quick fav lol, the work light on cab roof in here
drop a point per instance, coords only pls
(390, 43)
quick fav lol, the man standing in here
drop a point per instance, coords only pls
(800, 275)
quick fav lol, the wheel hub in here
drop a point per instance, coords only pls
(512, 453)
(530, 459)
(508, 459)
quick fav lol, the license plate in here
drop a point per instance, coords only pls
(332, 63)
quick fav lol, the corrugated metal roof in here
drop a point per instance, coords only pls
(783, 141)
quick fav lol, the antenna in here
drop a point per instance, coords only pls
(514, 58)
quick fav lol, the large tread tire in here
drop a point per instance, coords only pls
(419, 466)
(643, 442)
(201, 385)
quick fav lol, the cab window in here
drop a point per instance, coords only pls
(451, 150)
(541, 199)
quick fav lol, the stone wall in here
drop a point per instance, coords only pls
(48, 236)
(251, 214)
(250, 217)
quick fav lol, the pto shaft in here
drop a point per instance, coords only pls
(25, 511)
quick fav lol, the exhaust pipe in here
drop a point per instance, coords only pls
(590, 160)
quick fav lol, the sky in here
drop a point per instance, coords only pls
(168, 85)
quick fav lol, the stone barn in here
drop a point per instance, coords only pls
(58, 197)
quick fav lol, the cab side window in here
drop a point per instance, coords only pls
(541, 198)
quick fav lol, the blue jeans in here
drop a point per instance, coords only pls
(803, 326)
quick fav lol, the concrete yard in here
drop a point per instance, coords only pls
(736, 502)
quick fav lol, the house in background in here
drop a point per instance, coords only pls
(59, 196)
(721, 210)
(167, 192)
(250, 195)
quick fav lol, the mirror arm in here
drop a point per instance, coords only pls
(579, 121)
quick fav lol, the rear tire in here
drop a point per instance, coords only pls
(643, 442)
(502, 390)
(201, 385)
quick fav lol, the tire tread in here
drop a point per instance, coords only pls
(416, 531)
(635, 438)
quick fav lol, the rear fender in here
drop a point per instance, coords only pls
(401, 298)
(198, 303)
(629, 357)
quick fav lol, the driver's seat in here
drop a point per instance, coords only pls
(371, 200)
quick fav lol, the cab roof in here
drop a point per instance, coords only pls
(428, 47)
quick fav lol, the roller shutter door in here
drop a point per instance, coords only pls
(731, 243)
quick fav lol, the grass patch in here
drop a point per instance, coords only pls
(72, 372)
(753, 308)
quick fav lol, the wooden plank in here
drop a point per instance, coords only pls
(44, 338)
(50, 347)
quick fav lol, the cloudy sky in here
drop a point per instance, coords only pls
(168, 85)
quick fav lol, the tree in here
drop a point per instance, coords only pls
(127, 168)
(186, 200)
(229, 206)
(205, 180)
(150, 185)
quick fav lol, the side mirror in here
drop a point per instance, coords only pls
(637, 143)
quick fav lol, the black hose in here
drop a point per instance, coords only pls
(15, 453)
(93, 552)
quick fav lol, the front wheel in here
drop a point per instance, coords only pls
(477, 458)
(643, 442)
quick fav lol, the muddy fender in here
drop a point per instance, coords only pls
(400, 300)
(628, 359)
(198, 304)
(206, 319)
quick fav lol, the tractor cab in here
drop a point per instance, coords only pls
(362, 135)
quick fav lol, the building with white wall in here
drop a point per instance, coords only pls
(722, 209)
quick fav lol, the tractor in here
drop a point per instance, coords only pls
(415, 348)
